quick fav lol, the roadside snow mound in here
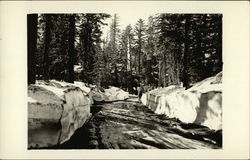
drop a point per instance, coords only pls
(99, 96)
(200, 104)
(60, 84)
(82, 86)
(55, 110)
(110, 94)
(114, 94)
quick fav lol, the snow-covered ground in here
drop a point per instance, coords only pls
(114, 93)
(55, 110)
(200, 104)
(110, 94)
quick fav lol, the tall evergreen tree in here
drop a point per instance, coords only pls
(90, 39)
(113, 50)
(32, 42)
(150, 47)
(127, 39)
(140, 35)
(47, 47)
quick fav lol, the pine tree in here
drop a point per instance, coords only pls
(114, 50)
(150, 47)
(126, 55)
(140, 35)
(90, 39)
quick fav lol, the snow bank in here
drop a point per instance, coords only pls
(99, 96)
(55, 111)
(82, 86)
(200, 104)
(110, 94)
(60, 84)
(114, 93)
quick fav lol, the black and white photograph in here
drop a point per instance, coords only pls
(117, 81)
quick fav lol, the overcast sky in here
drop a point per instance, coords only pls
(126, 18)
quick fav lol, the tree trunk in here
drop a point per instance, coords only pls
(130, 61)
(159, 73)
(185, 72)
(46, 49)
(32, 42)
(126, 65)
(164, 70)
(71, 52)
(139, 59)
(219, 46)
(149, 71)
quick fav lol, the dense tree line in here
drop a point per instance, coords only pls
(65, 40)
(170, 49)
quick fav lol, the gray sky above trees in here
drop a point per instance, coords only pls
(126, 18)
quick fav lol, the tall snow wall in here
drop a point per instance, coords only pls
(200, 104)
(55, 111)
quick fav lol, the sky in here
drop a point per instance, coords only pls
(126, 18)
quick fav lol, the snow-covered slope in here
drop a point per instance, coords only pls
(55, 110)
(200, 104)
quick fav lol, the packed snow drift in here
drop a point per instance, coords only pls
(200, 104)
(55, 111)
(110, 94)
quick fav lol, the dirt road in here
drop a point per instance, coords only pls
(130, 125)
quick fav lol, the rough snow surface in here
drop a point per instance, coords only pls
(210, 111)
(110, 94)
(60, 83)
(55, 110)
(82, 86)
(181, 105)
(200, 104)
(114, 93)
(57, 91)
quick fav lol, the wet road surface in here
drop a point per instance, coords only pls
(130, 125)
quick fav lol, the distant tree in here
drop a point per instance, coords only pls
(127, 40)
(150, 49)
(90, 40)
(139, 41)
(113, 50)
